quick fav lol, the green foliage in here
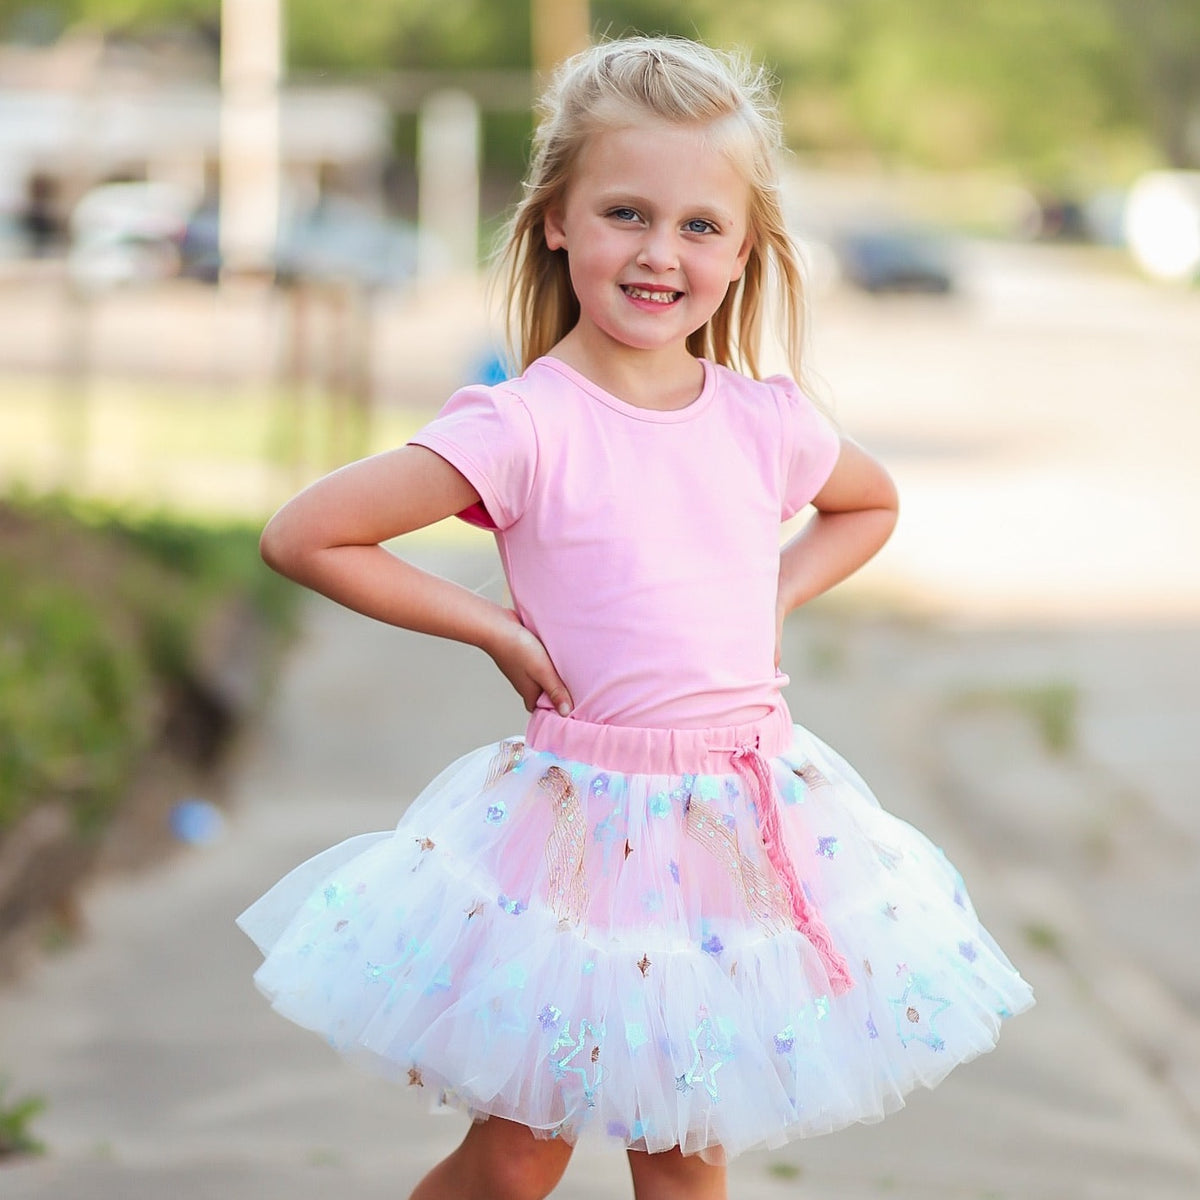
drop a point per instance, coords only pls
(103, 615)
(15, 1119)
(1051, 708)
(1058, 88)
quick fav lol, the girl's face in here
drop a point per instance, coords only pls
(655, 223)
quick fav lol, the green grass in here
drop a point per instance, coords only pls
(190, 448)
(1052, 708)
(16, 1117)
(1043, 937)
(204, 454)
(106, 616)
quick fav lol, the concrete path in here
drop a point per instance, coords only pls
(167, 1074)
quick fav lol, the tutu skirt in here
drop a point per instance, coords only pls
(710, 939)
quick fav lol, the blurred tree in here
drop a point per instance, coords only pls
(1058, 88)
(1164, 38)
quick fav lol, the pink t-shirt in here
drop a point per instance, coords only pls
(642, 547)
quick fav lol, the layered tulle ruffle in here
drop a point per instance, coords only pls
(581, 949)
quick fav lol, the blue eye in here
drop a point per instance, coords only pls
(700, 225)
(624, 214)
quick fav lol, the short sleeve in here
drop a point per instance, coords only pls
(809, 446)
(487, 434)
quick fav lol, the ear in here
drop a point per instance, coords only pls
(553, 230)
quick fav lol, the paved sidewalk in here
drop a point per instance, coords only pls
(167, 1074)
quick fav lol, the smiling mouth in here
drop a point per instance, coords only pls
(655, 295)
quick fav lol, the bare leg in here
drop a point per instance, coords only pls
(675, 1176)
(497, 1160)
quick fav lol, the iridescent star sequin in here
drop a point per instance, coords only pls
(712, 1048)
(581, 1052)
(916, 1010)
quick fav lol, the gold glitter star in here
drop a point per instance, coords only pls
(414, 1077)
(595, 1054)
(644, 965)
(425, 843)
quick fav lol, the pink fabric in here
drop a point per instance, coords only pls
(641, 546)
(637, 750)
(749, 760)
(746, 748)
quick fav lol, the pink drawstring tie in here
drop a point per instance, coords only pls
(757, 773)
(634, 749)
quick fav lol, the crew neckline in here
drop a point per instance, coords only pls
(656, 416)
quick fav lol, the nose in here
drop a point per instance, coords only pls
(657, 251)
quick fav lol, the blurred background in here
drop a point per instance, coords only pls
(244, 241)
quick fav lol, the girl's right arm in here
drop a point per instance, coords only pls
(328, 539)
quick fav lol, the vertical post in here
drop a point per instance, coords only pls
(448, 151)
(251, 66)
(560, 28)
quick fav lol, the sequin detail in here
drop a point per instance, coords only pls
(810, 776)
(763, 896)
(712, 1048)
(508, 754)
(916, 1024)
(567, 888)
(589, 1034)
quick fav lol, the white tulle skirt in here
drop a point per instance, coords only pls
(734, 950)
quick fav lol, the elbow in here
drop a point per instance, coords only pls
(278, 548)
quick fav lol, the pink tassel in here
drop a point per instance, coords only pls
(808, 921)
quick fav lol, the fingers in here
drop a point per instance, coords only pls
(558, 696)
(548, 683)
(528, 667)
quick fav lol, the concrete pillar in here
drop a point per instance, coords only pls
(560, 28)
(448, 151)
(251, 67)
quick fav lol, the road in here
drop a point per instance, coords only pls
(1040, 427)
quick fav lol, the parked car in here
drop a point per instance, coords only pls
(896, 259)
(337, 239)
(123, 233)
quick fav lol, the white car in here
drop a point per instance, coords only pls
(123, 233)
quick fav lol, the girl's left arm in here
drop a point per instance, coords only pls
(856, 512)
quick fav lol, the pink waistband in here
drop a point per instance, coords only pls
(633, 750)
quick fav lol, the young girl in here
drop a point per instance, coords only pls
(665, 913)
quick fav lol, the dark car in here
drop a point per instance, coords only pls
(896, 260)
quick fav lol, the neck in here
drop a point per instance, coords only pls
(655, 379)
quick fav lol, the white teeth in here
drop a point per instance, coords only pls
(657, 297)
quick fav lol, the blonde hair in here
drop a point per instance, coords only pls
(617, 84)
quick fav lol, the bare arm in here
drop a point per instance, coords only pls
(856, 512)
(327, 538)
